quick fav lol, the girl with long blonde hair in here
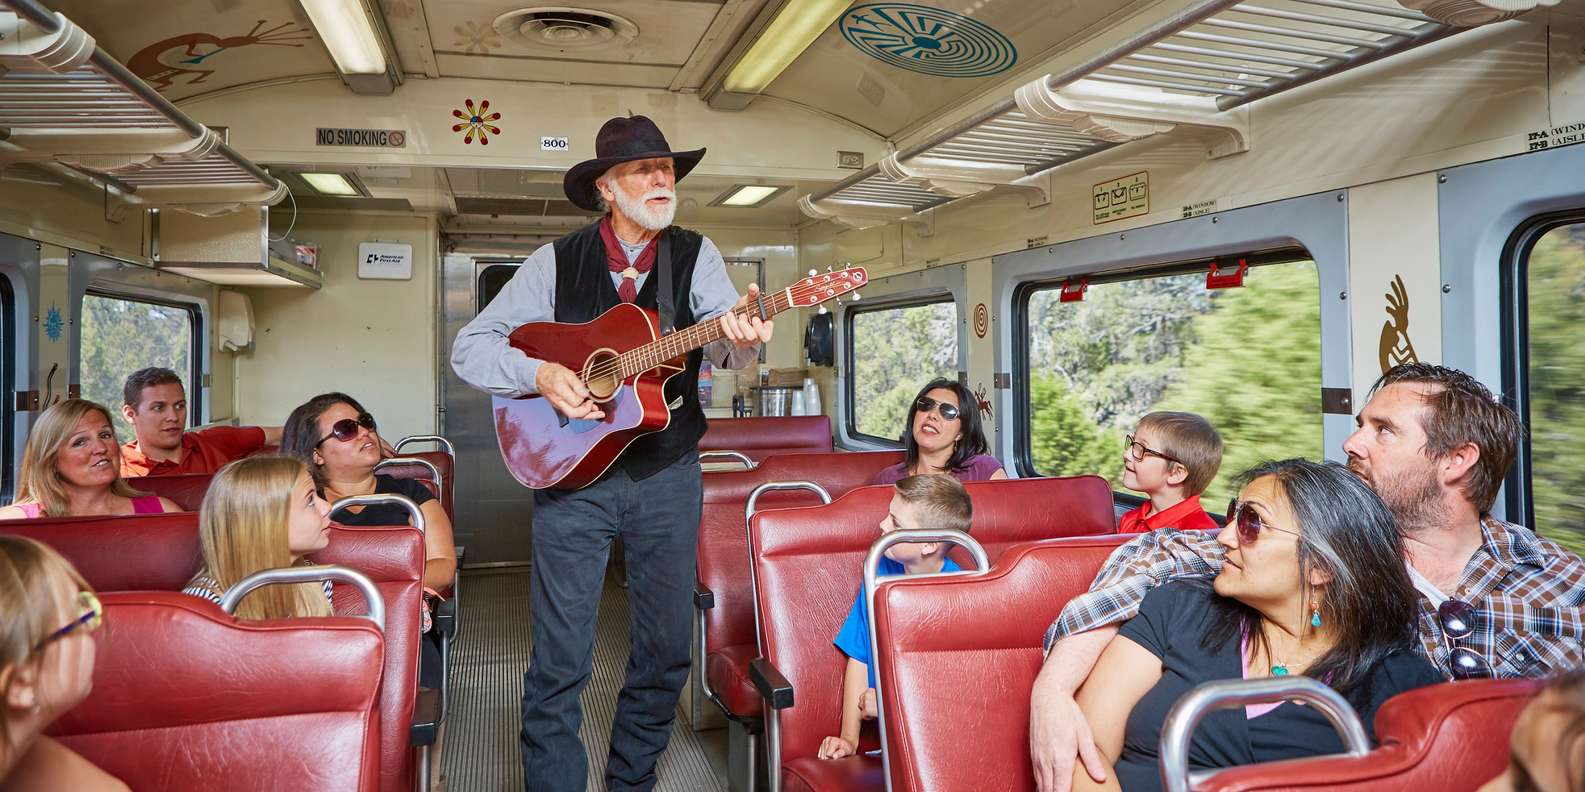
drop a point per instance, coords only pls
(46, 667)
(261, 513)
(72, 467)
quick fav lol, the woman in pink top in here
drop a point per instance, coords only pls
(72, 468)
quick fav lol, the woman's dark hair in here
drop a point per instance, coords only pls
(1345, 530)
(300, 435)
(970, 445)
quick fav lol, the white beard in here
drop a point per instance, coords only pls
(637, 210)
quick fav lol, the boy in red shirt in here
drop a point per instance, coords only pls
(1171, 457)
(156, 406)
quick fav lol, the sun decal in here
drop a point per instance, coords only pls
(476, 122)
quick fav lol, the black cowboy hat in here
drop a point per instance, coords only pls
(622, 139)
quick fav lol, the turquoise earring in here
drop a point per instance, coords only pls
(1315, 618)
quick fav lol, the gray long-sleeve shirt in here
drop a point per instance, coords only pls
(483, 358)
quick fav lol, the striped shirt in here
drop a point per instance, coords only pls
(205, 586)
(1528, 593)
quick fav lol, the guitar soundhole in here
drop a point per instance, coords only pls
(602, 375)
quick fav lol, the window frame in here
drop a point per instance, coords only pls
(8, 358)
(1518, 496)
(195, 338)
(1024, 292)
(850, 422)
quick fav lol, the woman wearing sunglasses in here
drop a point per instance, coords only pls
(72, 467)
(46, 667)
(341, 444)
(944, 436)
(1313, 584)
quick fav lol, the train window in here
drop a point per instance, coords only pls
(492, 279)
(7, 385)
(893, 350)
(1246, 358)
(1546, 290)
(122, 334)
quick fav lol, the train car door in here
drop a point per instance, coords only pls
(494, 512)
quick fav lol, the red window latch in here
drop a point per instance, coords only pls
(1073, 292)
(1226, 277)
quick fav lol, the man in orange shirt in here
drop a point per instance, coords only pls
(156, 406)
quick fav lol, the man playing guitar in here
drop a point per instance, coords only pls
(651, 495)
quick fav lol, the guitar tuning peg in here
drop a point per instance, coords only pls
(856, 296)
(823, 310)
(828, 268)
(813, 273)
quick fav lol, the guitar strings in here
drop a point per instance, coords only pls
(671, 346)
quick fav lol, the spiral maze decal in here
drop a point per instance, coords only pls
(928, 40)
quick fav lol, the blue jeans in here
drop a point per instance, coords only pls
(658, 520)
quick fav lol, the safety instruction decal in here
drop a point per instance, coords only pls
(1120, 198)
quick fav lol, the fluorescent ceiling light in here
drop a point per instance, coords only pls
(795, 27)
(749, 195)
(348, 33)
(330, 184)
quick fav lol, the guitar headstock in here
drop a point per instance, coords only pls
(822, 286)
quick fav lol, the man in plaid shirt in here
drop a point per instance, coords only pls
(1496, 600)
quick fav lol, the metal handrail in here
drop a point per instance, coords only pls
(440, 480)
(451, 450)
(772, 716)
(309, 574)
(1201, 701)
(982, 563)
(405, 502)
(736, 456)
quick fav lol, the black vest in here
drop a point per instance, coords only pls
(584, 291)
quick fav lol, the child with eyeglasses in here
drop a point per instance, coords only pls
(934, 502)
(46, 667)
(1171, 457)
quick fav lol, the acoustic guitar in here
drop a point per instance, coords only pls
(625, 362)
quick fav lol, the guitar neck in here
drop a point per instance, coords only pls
(675, 345)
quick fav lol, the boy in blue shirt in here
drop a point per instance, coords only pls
(919, 502)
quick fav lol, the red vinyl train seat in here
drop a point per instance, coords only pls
(757, 438)
(393, 557)
(442, 462)
(978, 636)
(1449, 736)
(186, 489)
(172, 708)
(136, 552)
(808, 566)
(723, 562)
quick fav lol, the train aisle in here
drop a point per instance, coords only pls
(481, 738)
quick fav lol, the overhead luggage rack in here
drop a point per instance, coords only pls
(1190, 71)
(65, 100)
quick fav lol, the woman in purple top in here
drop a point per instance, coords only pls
(944, 437)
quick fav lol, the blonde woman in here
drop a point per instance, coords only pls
(262, 513)
(46, 667)
(72, 467)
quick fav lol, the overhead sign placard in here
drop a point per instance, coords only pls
(368, 138)
(1120, 198)
(554, 144)
(1565, 135)
(385, 261)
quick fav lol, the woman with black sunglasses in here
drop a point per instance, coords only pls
(944, 436)
(46, 667)
(1313, 584)
(339, 441)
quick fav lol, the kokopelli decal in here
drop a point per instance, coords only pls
(161, 63)
(1396, 348)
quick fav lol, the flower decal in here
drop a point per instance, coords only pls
(53, 323)
(476, 122)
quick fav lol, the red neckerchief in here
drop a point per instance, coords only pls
(616, 260)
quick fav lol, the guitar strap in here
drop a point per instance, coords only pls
(665, 295)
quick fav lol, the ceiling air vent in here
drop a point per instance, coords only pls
(1473, 13)
(564, 27)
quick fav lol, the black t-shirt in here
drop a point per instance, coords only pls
(1172, 621)
(387, 514)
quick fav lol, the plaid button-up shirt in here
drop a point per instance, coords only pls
(1528, 593)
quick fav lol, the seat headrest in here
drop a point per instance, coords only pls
(137, 552)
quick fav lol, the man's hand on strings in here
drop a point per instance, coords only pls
(566, 392)
(749, 332)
